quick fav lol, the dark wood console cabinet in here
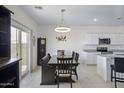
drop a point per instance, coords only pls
(9, 73)
(9, 68)
(41, 49)
(5, 24)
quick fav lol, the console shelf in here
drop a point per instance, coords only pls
(9, 68)
(9, 73)
(7, 82)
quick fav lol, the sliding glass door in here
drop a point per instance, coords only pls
(20, 48)
(24, 52)
(15, 45)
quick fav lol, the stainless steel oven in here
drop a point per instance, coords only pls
(102, 49)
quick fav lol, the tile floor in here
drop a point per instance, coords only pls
(88, 78)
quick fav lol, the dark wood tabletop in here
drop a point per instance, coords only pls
(53, 60)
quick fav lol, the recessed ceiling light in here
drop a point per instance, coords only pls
(38, 7)
(95, 19)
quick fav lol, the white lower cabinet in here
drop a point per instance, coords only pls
(103, 67)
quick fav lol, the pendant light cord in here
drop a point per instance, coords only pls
(62, 27)
(62, 16)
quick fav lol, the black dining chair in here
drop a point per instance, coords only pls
(64, 67)
(60, 52)
(76, 57)
(117, 68)
(49, 56)
(73, 54)
(74, 68)
(47, 71)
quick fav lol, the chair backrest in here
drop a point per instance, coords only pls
(64, 65)
(45, 60)
(49, 56)
(119, 64)
(76, 57)
(73, 54)
(60, 52)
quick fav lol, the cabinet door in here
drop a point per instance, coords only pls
(117, 39)
(92, 39)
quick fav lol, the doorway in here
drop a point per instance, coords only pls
(20, 48)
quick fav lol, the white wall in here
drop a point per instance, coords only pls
(24, 19)
(75, 39)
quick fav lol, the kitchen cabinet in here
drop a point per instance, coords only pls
(104, 66)
(117, 39)
(91, 39)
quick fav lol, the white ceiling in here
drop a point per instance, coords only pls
(77, 15)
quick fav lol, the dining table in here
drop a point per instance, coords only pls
(53, 63)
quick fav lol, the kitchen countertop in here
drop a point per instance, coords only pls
(115, 50)
(112, 55)
(90, 50)
(111, 50)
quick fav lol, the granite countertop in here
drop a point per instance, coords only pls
(111, 50)
(111, 55)
(116, 50)
(90, 50)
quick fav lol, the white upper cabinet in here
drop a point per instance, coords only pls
(116, 39)
(91, 39)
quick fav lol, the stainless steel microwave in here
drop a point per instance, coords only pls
(104, 41)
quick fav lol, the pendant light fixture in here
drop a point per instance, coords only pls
(62, 27)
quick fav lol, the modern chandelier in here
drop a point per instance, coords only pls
(62, 27)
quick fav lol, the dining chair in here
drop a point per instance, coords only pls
(60, 52)
(118, 69)
(73, 54)
(49, 56)
(74, 68)
(76, 57)
(47, 71)
(64, 67)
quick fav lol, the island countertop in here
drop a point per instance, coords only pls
(111, 55)
(110, 50)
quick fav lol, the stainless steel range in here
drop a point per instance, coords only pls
(102, 49)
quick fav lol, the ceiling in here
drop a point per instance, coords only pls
(77, 15)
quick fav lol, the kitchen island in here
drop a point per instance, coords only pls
(104, 62)
(90, 55)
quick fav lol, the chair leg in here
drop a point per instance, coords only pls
(111, 75)
(115, 79)
(71, 80)
(57, 81)
(76, 74)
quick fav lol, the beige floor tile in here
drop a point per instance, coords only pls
(88, 78)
